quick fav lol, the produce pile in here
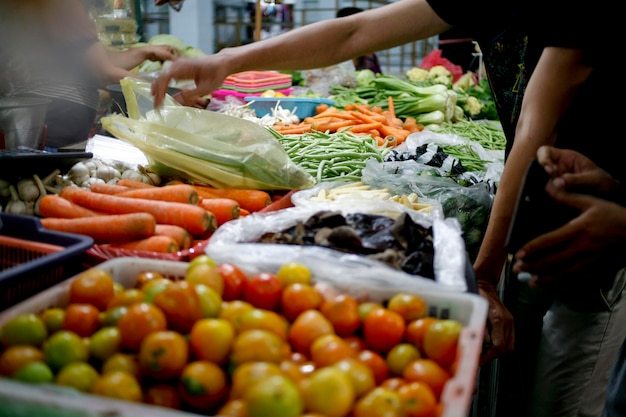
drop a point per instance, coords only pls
(216, 341)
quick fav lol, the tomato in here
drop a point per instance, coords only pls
(393, 383)
(263, 290)
(330, 348)
(203, 385)
(181, 305)
(122, 362)
(342, 312)
(78, 375)
(234, 281)
(275, 396)
(35, 373)
(144, 277)
(118, 384)
(360, 375)
(64, 347)
(365, 307)
(249, 373)
(409, 306)
(418, 400)
(140, 320)
(376, 363)
(441, 341)
(379, 402)
(232, 311)
(210, 300)
(212, 340)
(93, 286)
(163, 354)
(258, 345)
(15, 357)
(416, 329)
(82, 319)
(400, 356)
(24, 329)
(53, 318)
(383, 329)
(297, 371)
(258, 318)
(356, 342)
(292, 272)
(126, 298)
(152, 288)
(105, 342)
(163, 395)
(233, 408)
(111, 316)
(207, 274)
(328, 391)
(429, 372)
(307, 327)
(297, 298)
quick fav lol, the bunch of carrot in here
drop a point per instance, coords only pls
(382, 125)
(139, 216)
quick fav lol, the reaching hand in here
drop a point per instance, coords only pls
(161, 53)
(499, 324)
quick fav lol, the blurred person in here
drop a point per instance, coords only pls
(361, 62)
(512, 37)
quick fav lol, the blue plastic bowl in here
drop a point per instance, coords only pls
(301, 106)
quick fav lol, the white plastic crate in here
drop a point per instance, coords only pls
(469, 309)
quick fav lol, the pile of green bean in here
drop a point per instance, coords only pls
(489, 135)
(337, 156)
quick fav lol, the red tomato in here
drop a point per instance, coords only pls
(263, 290)
(234, 281)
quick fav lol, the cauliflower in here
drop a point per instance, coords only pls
(465, 82)
(440, 75)
(417, 74)
(472, 106)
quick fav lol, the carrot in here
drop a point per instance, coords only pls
(156, 243)
(364, 127)
(294, 129)
(243, 213)
(249, 199)
(51, 205)
(127, 182)
(392, 108)
(180, 235)
(321, 107)
(398, 133)
(106, 188)
(332, 126)
(193, 218)
(224, 209)
(105, 228)
(281, 203)
(180, 193)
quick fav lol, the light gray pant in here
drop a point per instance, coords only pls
(576, 353)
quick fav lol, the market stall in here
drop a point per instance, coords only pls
(352, 216)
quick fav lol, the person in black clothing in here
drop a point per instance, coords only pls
(512, 37)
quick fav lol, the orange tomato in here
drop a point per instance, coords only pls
(409, 306)
(441, 340)
(258, 345)
(235, 280)
(212, 340)
(360, 375)
(118, 384)
(356, 342)
(181, 305)
(205, 273)
(93, 286)
(249, 373)
(258, 318)
(126, 298)
(342, 312)
(330, 348)
(17, 356)
(232, 311)
(416, 329)
(307, 327)
(400, 356)
(122, 362)
(365, 307)
(82, 319)
(140, 320)
(144, 277)
(379, 402)
(233, 408)
(163, 354)
(376, 363)
(427, 371)
(163, 395)
(263, 290)
(298, 297)
(393, 382)
(328, 391)
(203, 385)
(418, 400)
(383, 329)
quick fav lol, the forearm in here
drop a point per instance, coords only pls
(127, 59)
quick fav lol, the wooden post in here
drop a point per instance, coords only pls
(257, 21)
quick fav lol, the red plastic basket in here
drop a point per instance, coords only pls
(33, 258)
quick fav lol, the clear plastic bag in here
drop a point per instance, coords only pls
(204, 146)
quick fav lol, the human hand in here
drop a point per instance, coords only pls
(591, 242)
(500, 328)
(573, 171)
(161, 53)
(188, 98)
(206, 72)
